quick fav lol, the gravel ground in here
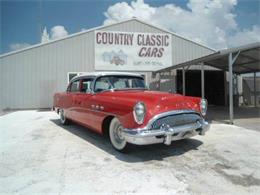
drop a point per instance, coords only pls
(38, 155)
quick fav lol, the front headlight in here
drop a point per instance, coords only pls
(203, 106)
(139, 113)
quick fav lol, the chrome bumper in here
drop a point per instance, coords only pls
(165, 134)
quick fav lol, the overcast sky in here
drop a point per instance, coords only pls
(215, 23)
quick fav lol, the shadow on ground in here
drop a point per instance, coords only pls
(221, 114)
(9, 110)
(136, 153)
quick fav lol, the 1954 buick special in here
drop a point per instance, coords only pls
(119, 104)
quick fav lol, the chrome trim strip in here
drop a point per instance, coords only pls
(162, 131)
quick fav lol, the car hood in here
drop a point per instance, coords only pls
(157, 101)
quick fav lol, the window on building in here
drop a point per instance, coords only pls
(71, 75)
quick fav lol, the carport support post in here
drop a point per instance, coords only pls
(255, 89)
(231, 61)
(183, 81)
(202, 81)
(230, 69)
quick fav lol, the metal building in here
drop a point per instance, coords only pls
(29, 77)
(234, 61)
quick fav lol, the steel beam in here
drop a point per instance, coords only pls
(255, 89)
(230, 69)
(231, 61)
(183, 81)
(202, 81)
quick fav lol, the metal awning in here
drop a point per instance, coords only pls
(248, 60)
(239, 60)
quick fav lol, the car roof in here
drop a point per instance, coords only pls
(98, 74)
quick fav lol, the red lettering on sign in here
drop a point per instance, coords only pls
(166, 40)
(154, 52)
(160, 53)
(139, 39)
(141, 52)
(98, 38)
(151, 52)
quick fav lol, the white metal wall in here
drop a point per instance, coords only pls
(28, 79)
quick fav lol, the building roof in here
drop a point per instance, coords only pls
(99, 28)
(248, 60)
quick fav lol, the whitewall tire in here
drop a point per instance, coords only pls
(115, 135)
(63, 119)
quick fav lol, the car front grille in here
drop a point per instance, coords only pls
(176, 120)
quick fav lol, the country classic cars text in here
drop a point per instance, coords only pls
(151, 45)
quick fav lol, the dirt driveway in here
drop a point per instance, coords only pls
(37, 155)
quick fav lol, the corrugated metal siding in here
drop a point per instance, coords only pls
(133, 26)
(28, 79)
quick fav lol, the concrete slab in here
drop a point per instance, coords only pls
(247, 117)
(38, 155)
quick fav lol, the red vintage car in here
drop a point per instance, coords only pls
(120, 105)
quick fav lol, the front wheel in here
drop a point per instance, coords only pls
(63, 119)
(116, 138)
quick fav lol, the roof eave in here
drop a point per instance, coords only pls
(98, 28)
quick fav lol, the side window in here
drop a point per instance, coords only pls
(138, 83)
(74, 87)
(121, 83)
(102, 84)
(86, 85)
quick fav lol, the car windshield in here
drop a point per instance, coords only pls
(119, 82)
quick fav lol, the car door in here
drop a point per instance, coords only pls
(98, 103)
(83, 103)
(72, 100)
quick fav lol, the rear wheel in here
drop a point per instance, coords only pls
(116, 138)
(63, 118)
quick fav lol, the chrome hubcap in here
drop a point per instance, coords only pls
(62, 115)
(118, 133)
